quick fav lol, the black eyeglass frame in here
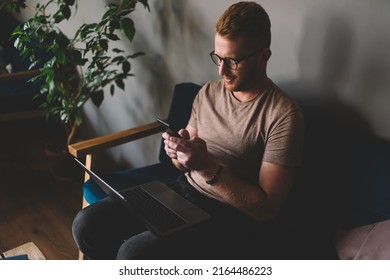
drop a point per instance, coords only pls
(236, 61)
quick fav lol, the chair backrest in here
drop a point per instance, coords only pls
(180, 111)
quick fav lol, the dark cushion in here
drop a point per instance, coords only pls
(180, 110)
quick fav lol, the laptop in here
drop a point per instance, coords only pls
(158, 207)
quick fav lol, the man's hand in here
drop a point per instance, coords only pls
(191, 153)
(169, 147)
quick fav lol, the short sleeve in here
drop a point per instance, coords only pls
(284, 145)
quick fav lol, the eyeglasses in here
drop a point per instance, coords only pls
(230, 63)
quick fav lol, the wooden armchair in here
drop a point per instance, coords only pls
(15, 93)
(178, 117)
(17, 100)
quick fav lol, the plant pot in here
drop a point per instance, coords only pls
(61, 163)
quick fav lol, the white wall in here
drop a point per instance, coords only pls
(341, 48)
(335, 47)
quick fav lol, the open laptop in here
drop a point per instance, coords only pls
(159, 208)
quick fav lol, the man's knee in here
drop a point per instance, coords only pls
(140, 246)
(81, 228)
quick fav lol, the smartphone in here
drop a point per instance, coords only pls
(166, 127)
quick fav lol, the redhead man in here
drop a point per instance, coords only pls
(240, 152)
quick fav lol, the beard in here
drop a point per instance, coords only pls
(230, 83)
(236, 83)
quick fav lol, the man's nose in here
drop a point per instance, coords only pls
(222, 69)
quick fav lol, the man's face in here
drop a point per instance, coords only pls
(249, 71)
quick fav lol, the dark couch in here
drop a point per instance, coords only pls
(343, 183)
(342, 192)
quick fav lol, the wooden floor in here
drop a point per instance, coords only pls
(34, 205)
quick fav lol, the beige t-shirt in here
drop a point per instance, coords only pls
(240, 135)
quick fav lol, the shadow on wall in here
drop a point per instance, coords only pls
(318, 93)
(344, 161)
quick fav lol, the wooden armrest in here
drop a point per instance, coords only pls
(91, 146)
(19, 75)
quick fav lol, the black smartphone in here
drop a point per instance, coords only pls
(166, 127)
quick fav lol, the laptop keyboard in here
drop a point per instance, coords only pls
(155, 212)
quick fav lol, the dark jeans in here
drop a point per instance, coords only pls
(104, 230)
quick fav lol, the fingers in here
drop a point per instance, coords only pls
(171, 144)
(189, 152)
(166, 135)
(171, 152)
(184, 133)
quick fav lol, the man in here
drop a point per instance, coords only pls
(240, 150)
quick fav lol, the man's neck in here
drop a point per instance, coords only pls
(251, 93)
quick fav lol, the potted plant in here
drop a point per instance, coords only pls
(76, 69)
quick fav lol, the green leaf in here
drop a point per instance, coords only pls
(145, 3)
(117, 59)
(103, 44)
(58, 17)
(126, 67)
(116, 50)
(112, 37)
(77, 57)
(41, 19)
(17, 31)
(127, 26)
(66, 12)
(61, 56)
(126, 4)
(97, 97)
(120, 83)
(115, 24)
(137, 54)
(64, 117)
(78, 119)
(125, 12)
(112, 89)
(83, 61)
(108, 14)
(112, 6)
(33, 64)
(84, 31)
(69, 2)
(12, 6)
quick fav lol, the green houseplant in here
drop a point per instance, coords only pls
(78, 68)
